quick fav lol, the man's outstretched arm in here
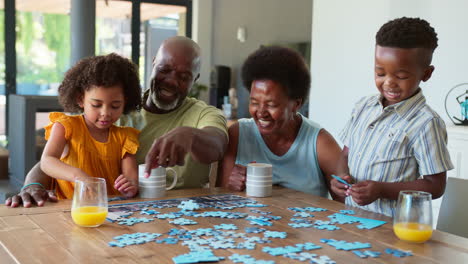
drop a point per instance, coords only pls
(35, 190)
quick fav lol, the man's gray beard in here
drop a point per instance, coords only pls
(162, 106)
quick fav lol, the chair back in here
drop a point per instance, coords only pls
(453, 214)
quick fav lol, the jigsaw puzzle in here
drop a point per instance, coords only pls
(202, 241)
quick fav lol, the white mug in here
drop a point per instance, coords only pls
(259, 169)
(155, 185)
(263, 190)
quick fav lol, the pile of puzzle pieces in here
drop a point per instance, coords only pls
(202, 241)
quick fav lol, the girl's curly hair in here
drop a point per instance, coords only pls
(105, 71)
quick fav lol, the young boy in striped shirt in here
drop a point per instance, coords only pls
(394, 141)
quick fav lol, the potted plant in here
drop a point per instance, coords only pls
(196, 90)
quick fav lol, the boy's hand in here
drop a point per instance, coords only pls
(128, 188)
(237, 178)
(365, 192)
(340, 189)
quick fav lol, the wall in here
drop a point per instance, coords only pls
(342, 54)
(266, 21)
(202, 33)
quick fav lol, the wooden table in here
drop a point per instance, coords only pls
(48, 235)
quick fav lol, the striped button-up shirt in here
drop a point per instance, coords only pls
(398, 143)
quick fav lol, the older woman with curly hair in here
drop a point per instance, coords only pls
(303, 154)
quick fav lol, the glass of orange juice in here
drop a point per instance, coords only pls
(413, 218)
(89, 207)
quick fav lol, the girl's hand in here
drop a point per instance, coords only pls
(128, 188)
(237, 178)
(340, 189)
(365, 192)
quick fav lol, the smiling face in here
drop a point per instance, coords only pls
(270, 107)
(173, 75)
(102, 106)
(398, 72)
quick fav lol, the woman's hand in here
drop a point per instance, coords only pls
(237, 178)
(128, 188)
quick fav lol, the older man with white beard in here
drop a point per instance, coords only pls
(176, 131)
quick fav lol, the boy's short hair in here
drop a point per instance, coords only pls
(407, 33)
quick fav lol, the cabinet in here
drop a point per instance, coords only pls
(22, 111)
(458, 149)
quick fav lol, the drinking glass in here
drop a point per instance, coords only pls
(89, 207)
(413, 218)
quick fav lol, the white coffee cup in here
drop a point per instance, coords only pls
(260, 182)
(155, 186)
(259, 179)
(259, 169)
(258, 190)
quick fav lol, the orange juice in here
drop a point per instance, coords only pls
(413, 232)
(89, 216)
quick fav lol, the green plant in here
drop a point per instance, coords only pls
(196, 90)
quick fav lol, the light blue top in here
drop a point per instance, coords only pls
(297, 169)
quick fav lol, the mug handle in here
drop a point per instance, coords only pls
(174, 182)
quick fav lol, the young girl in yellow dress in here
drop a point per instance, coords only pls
(101, 88)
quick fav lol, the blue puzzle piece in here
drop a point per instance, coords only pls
(247, 259)
(133, 220)
(167, 240)
(398, 253)
(359, 254)
(368, 253)
(307, 209)
(173, 215)
(303, 214)
(226, 227)
(327, 227)
(260, 222)
(315, 209)
(302, 256)
(275, 234)
(300, 220)
(308, 246)
(133, 239)
(149, 212)
(278, 251)
(224, 244)
(343, 245)
(196, 257)
(312, 258)
(300, 225)
(176, 232)
(365, 223)
(341, 180)
(254, 205)
(260, 212)
(246, 245)
(322, 260)
(183, 221)
(189, 205)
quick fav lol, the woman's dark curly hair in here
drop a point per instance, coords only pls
(282, 65)
(105, 71)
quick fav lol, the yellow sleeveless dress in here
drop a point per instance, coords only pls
(95, 158)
